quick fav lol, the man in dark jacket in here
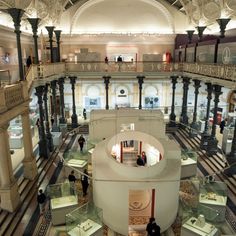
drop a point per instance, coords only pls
(41, 198)
(152, 228)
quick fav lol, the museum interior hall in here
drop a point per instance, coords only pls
(115, 113)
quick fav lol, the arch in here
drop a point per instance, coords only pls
(154, 3)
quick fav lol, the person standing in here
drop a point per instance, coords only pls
(81, 142)
(84, 114)
(28, 62)
(106, 60)
(222, 125)
(71, 177)
(144, 157)
(140, 161)
(41, 199)
(84, 182)
(152, 228)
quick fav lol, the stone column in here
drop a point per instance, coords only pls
(50, 35)
(29, 162)
(140, 83)
(16, 15)
(205, 135)
(106, 82)
(48, 133)
(58, 36)
(74, 118)
(183, 116)
(62, 119)
(172, 114)
(34, 24)
(10, 198)
(212, 141)
(43, 147)
(53, 85)
(194, 125)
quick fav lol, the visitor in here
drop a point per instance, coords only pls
(140, 161)
(81, 142)
(106, 60)
(222, 125)
(84, 114)
(119, 59)
(28, 62)
(144, 157)
(41, 199)
(84, 182)
(71, 177)
(152, 228)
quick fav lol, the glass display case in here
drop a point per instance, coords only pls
(188, 163)
(63, 199)
(84, 221)
(228, 134)
(213, 195)
(77, 161)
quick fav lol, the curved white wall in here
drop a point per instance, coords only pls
(113, 180)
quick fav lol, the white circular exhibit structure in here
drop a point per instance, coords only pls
(127, 192)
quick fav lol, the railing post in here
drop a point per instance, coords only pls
(172, 114)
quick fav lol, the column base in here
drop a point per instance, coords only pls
(10, 197)
(183, 120)
(193, 132)
(55, 128)
(43, 148)
(74, 121)
(204, 140)
(30, 169)
(212, 146)
(62, 120)
(50, 142)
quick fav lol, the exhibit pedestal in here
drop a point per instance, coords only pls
(57, 138)
(87, 228)
(80, 165)
(188, 168)
(62, 206)
(227, 139)
(191, 228)
(216, 202)
(10, 198)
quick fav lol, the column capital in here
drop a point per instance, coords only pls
(73, 79)
(106, 79)
(50, 31)
(140, 79)
(53, 84)
(61, 81)
(16, 15)
(58, 35)
(39, 91)
(34, 22)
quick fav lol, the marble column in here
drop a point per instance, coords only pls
(53, 85)
(10, 197)
(212, 141)
(29, 162)
(140, 83)
(34, 24)
(184, 116)
(58, 36)
(172, 114)
(205, 135)
(16, 15)
(62, 119)
(106, 82)
(74, 118)
(43, 146)
(194, 126)
(48, 133)
(50, 35)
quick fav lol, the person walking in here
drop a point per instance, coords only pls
(144, 157)
(41, 199)
(152, 228)
(81, 142)
(84, 182)
(84, 114)
(71, 177)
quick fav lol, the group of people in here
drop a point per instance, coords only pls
(141, 159)
(84, 180)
